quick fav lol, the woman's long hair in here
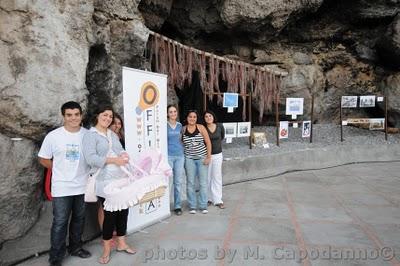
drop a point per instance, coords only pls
(211, 113)
(121, 134)
(100, 109)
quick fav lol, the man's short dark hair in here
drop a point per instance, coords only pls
(70, 105)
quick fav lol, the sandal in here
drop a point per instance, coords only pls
(113, 243)
(220, 205)
(104, 259)
(128, 250)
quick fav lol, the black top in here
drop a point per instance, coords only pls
(216, 138)
(193, 144)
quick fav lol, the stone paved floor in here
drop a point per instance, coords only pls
(348, 215)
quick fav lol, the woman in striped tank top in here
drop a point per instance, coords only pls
(197, 150)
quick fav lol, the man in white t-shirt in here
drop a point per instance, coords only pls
(61, 152)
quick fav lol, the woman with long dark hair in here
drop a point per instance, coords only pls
(197, 150)
(118, 127)
(103, 150)
(217, 133)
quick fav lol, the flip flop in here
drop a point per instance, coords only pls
(104, 260)
(127, 250)
(220, 205)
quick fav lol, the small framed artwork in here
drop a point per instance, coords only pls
(294, 106)
(349, 101)
(367, 101)
(231, 100)
(243, 129)
(230, 130)
(358, 120)
(306, 130)
(376, 123)
(283, 129)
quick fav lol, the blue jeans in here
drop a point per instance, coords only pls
(177, 164)
(63, 208)
(194, 168)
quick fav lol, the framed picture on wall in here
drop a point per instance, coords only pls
(367, 101)
(349, 101)
(243, 129)
(306, 130)
(294, 106)
(283, 129)
(230, 130)
(376, 123)
(231, 100)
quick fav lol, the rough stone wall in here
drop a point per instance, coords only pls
(44, 53)
(330, 48)
(119, 39)
(20, 189)
(52, 52)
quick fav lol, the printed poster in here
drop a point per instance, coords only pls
(306, 130)
(283, 129)
(145, 118)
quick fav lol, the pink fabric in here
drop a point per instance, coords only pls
(148, 173)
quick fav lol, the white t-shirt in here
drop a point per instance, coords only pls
(70, 171)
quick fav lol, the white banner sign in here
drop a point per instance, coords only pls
(145, 118)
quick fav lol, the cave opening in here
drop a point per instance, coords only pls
(192, 98)
(98, 79)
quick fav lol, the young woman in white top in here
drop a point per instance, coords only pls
(217, 133)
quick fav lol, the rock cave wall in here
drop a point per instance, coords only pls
(55, 51)
(330, 48)
(52, 52)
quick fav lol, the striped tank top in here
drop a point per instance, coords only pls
(194, 146)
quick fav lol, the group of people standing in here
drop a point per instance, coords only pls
(196, 150)
(73, 152)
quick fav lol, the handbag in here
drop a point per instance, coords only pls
(90, 191)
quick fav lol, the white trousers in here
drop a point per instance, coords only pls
(215, 179)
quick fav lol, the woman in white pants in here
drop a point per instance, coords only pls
(217, 134)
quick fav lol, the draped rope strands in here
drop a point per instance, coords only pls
(171, 73)
(223, 71)
(181, 67)
(216, 79)
(211, 77)
(178, 61)
(202, 72)
(155, 51)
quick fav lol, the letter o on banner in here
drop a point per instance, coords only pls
(150, 95)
